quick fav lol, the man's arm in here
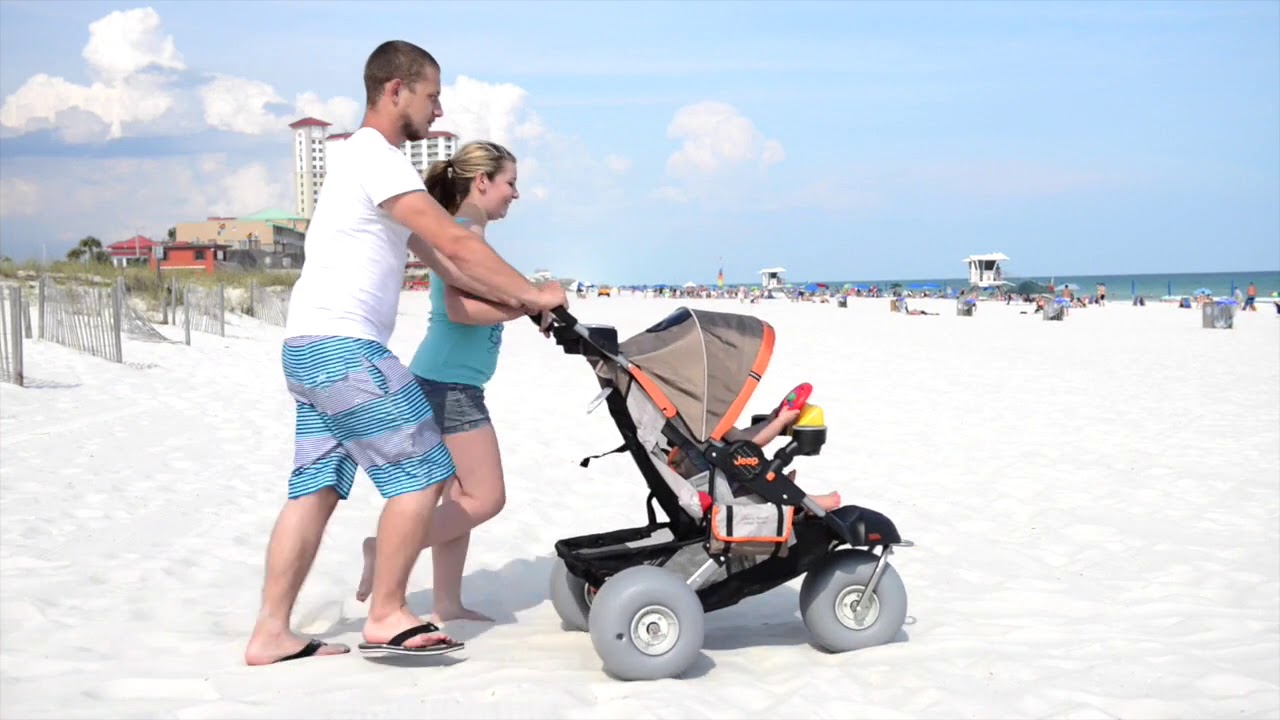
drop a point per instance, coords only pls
(469, 310)
(447, 271)
(481, 267)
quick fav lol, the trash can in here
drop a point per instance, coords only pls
(1218, 315)
(842, 301)
(965, 307)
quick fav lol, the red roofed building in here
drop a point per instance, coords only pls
(134, 251)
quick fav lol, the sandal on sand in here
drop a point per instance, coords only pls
(311, 648)
(395, 645)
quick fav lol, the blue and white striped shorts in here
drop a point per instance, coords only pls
(358, 405)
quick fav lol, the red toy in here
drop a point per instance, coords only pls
(796, 399)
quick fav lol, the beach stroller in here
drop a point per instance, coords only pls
(737, 528)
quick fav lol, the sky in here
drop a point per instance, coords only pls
(661, 142)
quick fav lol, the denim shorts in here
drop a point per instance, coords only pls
(457, 407)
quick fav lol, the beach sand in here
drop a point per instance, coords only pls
(1095, 505)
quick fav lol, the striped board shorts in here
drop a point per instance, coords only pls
(357, 405)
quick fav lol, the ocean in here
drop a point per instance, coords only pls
(1119, 287)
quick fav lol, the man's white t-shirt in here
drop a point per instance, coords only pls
(355, 253)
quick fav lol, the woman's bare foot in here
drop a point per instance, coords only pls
(365, 587)
(265, 650)
(382, 630)
(445, 614)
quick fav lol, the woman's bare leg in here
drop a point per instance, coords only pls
(477, 496)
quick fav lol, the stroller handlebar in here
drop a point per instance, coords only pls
(561, 315)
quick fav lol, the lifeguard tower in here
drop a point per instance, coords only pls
(985, 270)
(771, 279)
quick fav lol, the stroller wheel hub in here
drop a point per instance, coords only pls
(655, 630)
(847, 612)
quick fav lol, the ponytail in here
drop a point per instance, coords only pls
(443, 186)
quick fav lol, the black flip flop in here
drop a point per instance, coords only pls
(395, 646)
(311, 648)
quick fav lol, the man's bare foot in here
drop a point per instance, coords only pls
(365, 587)
(264, 650)
(381, 631)
(445, 614)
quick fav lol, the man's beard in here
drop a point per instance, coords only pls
(411, 132)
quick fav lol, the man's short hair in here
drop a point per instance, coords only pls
(394, 60)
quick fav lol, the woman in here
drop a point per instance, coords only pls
(454, 361)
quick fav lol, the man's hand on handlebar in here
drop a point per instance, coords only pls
(550, 296)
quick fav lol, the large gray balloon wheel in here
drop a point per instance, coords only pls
(570, 597)
(829, 597)
(646, 624)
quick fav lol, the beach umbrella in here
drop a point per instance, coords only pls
(811, 288)
(1069, 286)
(1203, 291)
(1133, 287)
(1029, 287)
(925, 286)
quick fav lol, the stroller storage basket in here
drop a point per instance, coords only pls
(596, 557)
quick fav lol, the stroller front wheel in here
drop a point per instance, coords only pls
(646, 623)
(570, 597)
(830, 597)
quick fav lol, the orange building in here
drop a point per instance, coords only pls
(189, 256)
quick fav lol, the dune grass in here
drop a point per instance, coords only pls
(142, 282)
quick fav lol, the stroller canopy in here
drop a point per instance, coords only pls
(707, 363)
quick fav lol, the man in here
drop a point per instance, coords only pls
(356, 403)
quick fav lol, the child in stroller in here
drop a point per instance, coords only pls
(642, 592)
(760, 433)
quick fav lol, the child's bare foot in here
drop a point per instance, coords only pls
(445, 614)
(365, 587)
(827, 502)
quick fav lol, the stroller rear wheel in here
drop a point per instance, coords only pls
(830, 597)
(646, 623)
(570, 596)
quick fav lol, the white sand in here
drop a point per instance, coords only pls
(1095, 504)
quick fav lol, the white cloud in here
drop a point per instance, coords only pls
(239, 105)
(132, 65)
(479, 110)
(344, 113)
(18, 197)
(617, 163)
(124, 50)
(127, 42)
(116, 197)
(715, 137)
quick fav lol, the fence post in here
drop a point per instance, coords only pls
(26, 319)
(164, 303)
(222, 310)
(40, 307)
(117, 316)
(253, 291)
(15, 333)
(186, 312)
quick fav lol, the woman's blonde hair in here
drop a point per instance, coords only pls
(449, 182)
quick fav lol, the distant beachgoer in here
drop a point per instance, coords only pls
(1102, 293)
(1251, 296)
(356, 405)
(455, 359)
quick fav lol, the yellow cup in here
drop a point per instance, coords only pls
(811, 416)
